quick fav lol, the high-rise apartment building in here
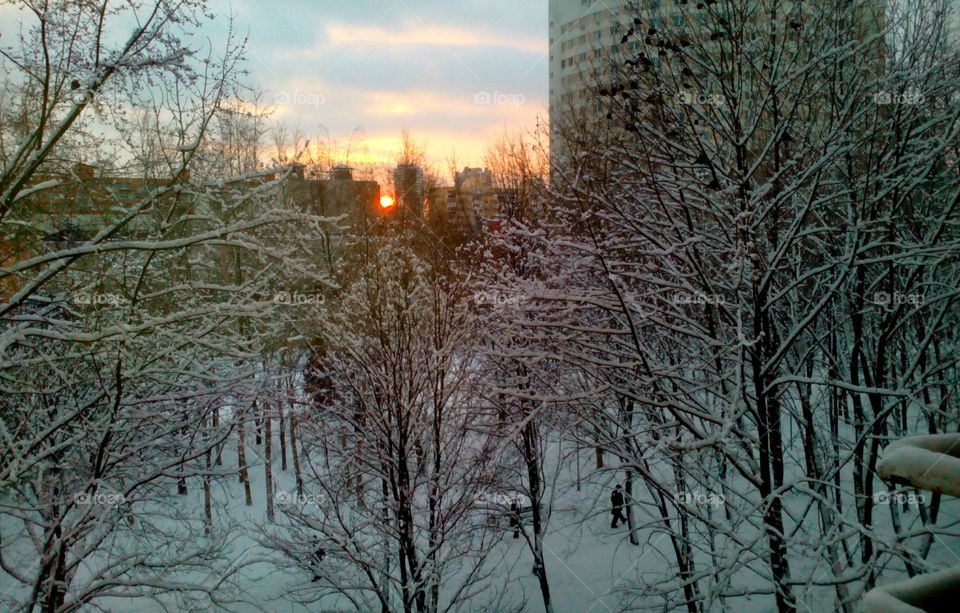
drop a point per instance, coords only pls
(583, 34)
(589, 38)
(408, 184)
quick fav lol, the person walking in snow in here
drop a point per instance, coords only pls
(515, 518)
(616, 501)
(316, 559)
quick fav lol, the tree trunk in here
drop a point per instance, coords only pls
(578, 465)
(771, 460)
(682, 551)
(283, 437)
(181, 480)
(628, 503)
(207, 502)
(242, 460)
(295, 455)
(216, 432)
(859, 423)
(814, 468)
(267, 460)
(599, 453)
(56, 593)
(531, 457)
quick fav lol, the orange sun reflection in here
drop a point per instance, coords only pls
(386, 202)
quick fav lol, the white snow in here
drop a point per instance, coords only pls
(927, 462)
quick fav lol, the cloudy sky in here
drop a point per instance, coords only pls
(455, 74)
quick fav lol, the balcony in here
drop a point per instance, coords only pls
(932, 463)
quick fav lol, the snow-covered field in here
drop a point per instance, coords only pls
(591, 566)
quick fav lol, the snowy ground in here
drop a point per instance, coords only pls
(588, 563)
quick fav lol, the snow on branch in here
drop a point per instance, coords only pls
(39, 187)
(928, 462)
(926, 592)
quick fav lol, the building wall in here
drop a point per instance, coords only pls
(582, 34)
(587, 36)
(476, 191)
(408, 183)
(75, 210)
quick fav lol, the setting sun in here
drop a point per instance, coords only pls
(386, 202)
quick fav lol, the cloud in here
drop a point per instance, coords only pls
(416, 64)
(444, 121)
(437, 105)
(309, 104)
(422, 35)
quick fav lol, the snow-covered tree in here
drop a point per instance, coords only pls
(766, 227)
(130, 344)
(394, 456)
